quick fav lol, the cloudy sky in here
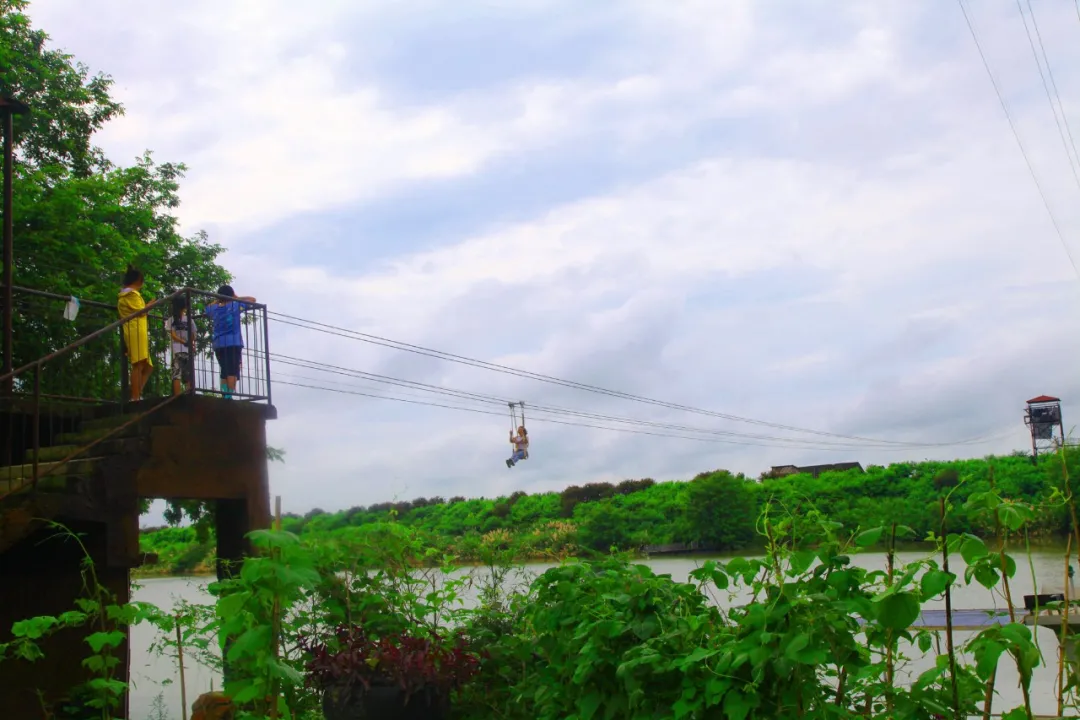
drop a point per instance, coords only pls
(813, 214)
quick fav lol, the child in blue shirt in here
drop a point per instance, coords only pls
(228, 342)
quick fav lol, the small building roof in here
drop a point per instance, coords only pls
(1043, 399)
(816, 470)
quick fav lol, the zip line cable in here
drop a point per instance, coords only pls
(496, 401)
(1046, 86)
(1016, 134)
(790, 443)
(541, 419)
(794, 443)
(495, 367)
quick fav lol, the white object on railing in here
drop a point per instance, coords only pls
(71, 309)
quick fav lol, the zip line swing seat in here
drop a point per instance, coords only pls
(514, 425)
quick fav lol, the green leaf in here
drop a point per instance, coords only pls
(285, 672)
(869, 537)
(683, 708)
(33, 628)
(972, 549)
(1015, 514)
(254, 642)
(1016, 633)
(645, 628)
(987, 575)
(589, 704)
(245, 692)
(699, 654)
(987, 653)
(737, 705)
(715, 687)
(72, 617)
(94, 663)
(934, 583)
(99, 640)
(797, 643)
(801, 561)
(231, 605)
(898, 611)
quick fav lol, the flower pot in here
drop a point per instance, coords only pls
(384, 702)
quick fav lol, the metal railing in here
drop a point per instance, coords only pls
(79, 371)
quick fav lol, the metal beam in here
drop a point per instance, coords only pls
(9, 108)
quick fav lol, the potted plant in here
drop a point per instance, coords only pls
(397, 676)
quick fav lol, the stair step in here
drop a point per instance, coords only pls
(112, 446)
(130, 409)
(85, 437)
(49, 408)
(56, 481)
(74, 468)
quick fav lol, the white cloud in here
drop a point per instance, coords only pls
(281, 129)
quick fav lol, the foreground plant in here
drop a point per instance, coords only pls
(358, 670)
(104, 621)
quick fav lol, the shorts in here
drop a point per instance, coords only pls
(181, 368)
(229, 360)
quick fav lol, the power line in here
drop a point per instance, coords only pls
(495, 367)
(543, 419)
(1016, 134)
(1046, 86)
(544, 410)
(491, 400)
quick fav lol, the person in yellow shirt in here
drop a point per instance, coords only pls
(136, 336)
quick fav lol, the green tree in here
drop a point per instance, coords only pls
(604, 525)
(721, 510)
(79, 219)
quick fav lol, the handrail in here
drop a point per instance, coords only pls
(86, 338)
(57, 296)
(33, 431)
(113, 326)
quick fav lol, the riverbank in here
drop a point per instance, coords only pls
(206, 569)
(715, 511)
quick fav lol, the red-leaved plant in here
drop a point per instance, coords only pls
(412, 663)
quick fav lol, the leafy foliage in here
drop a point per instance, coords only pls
(803, 633)
(718, 510)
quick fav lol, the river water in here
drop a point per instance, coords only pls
(153, 675)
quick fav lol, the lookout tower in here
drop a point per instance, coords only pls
(1043, 417)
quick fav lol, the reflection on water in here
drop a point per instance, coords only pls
(151, 674)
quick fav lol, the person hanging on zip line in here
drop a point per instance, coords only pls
(521, 446)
